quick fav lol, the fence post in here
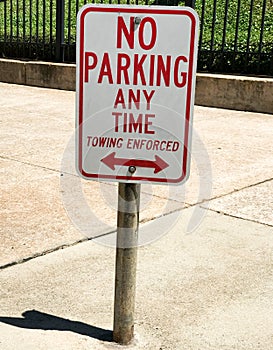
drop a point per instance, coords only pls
(190, 3)
(59, 54)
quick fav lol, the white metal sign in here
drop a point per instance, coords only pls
(135, 92)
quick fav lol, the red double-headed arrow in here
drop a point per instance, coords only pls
(111, 161)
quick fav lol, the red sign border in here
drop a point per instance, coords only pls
(136, 10)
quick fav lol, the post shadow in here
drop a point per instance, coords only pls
(33, 319)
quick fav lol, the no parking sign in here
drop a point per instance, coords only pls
(135, 92)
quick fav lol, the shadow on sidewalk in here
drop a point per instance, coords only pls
(38, 320)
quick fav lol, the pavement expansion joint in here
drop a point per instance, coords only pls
(237, 217)
(52, 250)
(37, 255)
(31, 164)
(232, 192)
(64, 246)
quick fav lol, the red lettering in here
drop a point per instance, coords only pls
(175, 146)
(105, 69)
(162, 148)
(148, 98)
(149, 144)
(136, 125)
(178, 83)
(139, 124)
(133, 98)
(125, 122)
(138, 69)
(123, 68)
(156, 144)
(163, 70)
(119, 99)
(152, 70)
(119, 142)
(87, 65)
(168, 147)
(150, 45)
(142, 143)
(89, 140)
(95, 141)
(147, 123)
(102, 141)
(116, 115)
(129, 146)
(122, 29)
(137, 143)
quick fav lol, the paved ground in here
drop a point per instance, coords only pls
(205, 280)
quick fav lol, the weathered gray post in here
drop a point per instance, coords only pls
(126, 261)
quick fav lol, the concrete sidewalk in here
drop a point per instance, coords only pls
(204, 282)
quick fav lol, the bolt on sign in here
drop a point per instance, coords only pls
(136, 68)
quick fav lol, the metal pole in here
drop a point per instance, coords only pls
(190, 3)
(59, 54)
(126, 261)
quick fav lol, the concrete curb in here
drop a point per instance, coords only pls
(235, 92)
(213, 90)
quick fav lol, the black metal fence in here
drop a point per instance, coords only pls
(236, 36)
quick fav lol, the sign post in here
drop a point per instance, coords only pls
(135, 95)
(126, 262)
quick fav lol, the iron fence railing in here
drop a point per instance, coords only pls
(236, 36)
